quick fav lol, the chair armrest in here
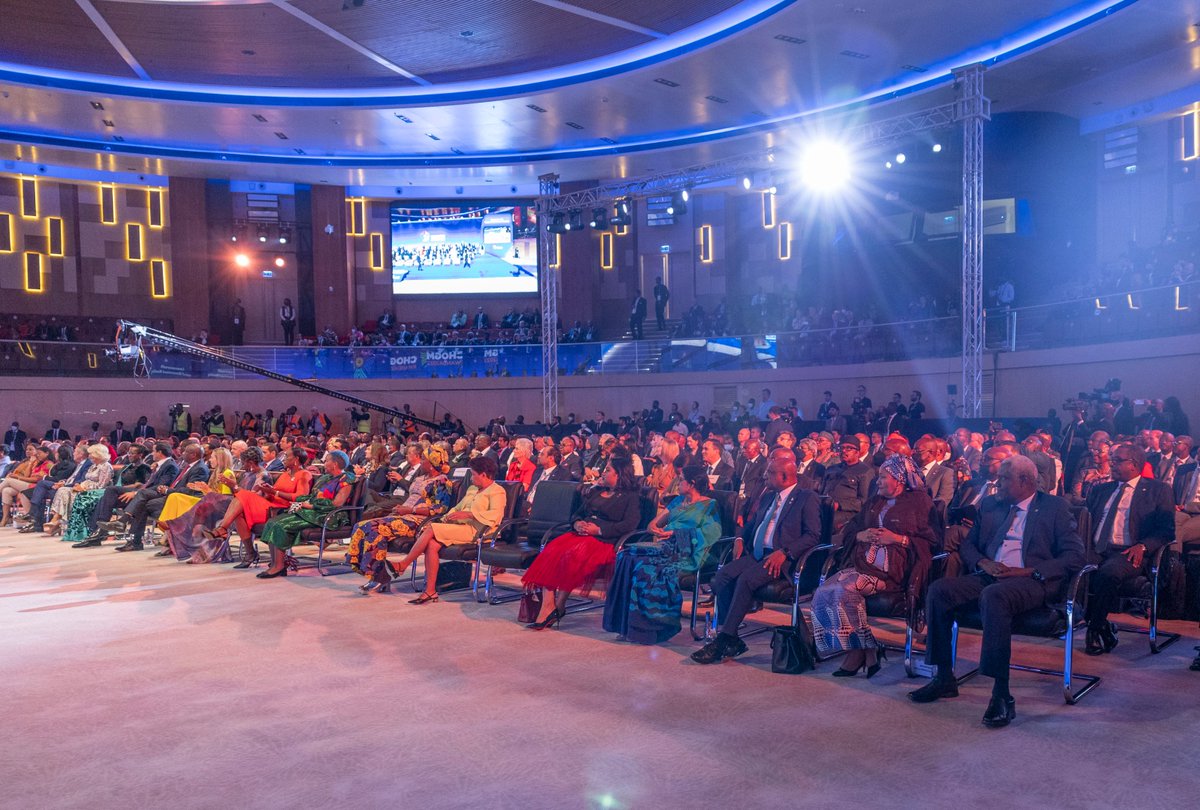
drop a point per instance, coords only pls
(554, 531)
(1073, 589)
(505, 525)
(803, 561)
(1156, 561)
(628, 538)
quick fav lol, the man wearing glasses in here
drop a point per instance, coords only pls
(1132, 518)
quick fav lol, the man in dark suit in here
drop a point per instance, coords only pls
(143, 429)
(148, 502)
(119, 434)
(1032, 448)
(45, 489)
(785, 525)
(1020, 553)
(130, 480)
(810, 471)
(939, 480)
(550, 468)
(661, 296)
(14, 442)
(848, 484)
(719, 472)
(637, 315)
(750, 477)
(776, 423)
(56, 433)
(1132, 518)
(570, 458)
(1122, 418)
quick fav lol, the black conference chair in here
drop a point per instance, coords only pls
(323, 535)
(1144, 590)
(468, 553)
(553, 506)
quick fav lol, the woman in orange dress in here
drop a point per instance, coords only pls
(253, 506)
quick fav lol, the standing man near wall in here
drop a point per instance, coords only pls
(237, 319)
(637, 315)
(661, 296)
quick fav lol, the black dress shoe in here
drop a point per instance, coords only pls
(30, 529)
(130, 547)
(1100, 640)
(934, 690)
(89, 542)
(718, 650)
(1000, 712)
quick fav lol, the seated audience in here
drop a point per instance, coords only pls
(97, 476)
(329, 492)
(785, 524)
(132, 476)
(185, 536)
(481, 508)
(888, 541)
(574, 561)
(32, 469)
(1020, 554)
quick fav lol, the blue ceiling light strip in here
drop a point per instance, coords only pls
(718, 28)
(939, 75)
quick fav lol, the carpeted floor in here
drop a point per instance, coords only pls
(131, 681)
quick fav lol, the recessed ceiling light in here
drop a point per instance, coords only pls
(791, 39)
(96, 105)
(915, 68)
(608, 140)
(573, 125)
(260, 118)
(467, 34)
(717, 99)
(281, 136)
(404, 118)
(299, 151)
(456, 150)
(108, 122)
(667, 82)
(854, 54)
(536, 108)
(248, 52)
(432, 137)
(118, 138)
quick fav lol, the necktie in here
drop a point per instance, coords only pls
(760, 535)
(1005, 525)
(1104, 536)
(180, 477)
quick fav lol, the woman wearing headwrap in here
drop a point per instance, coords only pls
(329, 492)
(429, 496)
(886, 543)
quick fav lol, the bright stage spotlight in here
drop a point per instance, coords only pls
(825, 166)
(241, 260)
(280, 261)
(937, 147)
(599, 220)
(901, 157)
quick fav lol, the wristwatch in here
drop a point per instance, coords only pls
(1037, 576)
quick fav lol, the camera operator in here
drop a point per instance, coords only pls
(180, 421)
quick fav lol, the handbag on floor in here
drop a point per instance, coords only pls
(531, 606)
(792, 649)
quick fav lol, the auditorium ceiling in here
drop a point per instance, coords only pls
(468, 92)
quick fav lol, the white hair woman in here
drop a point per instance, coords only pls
(98, 476)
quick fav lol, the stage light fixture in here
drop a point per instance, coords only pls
(901, 157)
(241, 260)
(747, 182)
(575, 220)
(825, 166)
(937, 147)
(557, 224)
(621, 217)
(678, 204)
(280, 261)
(285, 235)
(262, 233)
(887, 165)
(599, 221)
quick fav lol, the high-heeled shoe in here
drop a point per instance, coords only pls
(551, 620)
(397, 570)
(268, 574)
(880, 657)
(424, 599)
(375, 587)
(849, 673)
(248, 561)
(54, 529)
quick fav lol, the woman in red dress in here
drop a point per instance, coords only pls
(251, 507)
(521, 467)
(575, 560)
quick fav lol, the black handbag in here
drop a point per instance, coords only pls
(792, 650)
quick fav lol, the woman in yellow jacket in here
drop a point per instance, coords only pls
(482, 507)
(222, 482)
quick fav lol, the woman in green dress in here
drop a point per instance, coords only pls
(329, 492)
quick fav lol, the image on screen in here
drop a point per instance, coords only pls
(468, 248)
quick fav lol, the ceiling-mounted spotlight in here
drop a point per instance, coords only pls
(237, 233)
(558, 224)
(599, 220)
(678, 204)
(280, 261)
(901, 157)
(937, 147)
(621, 216)
(747, 182)
(285, 235)
(241, 260)
(887, 165)
(575, 220)
(262, 233)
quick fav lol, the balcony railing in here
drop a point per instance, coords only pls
(1117, 316)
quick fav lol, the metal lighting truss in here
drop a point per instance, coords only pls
(548, 287)
(975, 108)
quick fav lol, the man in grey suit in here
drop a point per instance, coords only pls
(939, 480)
(1020, 553)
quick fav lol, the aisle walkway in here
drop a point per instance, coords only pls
(131, 681)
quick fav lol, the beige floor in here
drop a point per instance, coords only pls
(138, 682)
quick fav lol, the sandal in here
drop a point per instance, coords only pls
(423, 599)
(397, 569)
